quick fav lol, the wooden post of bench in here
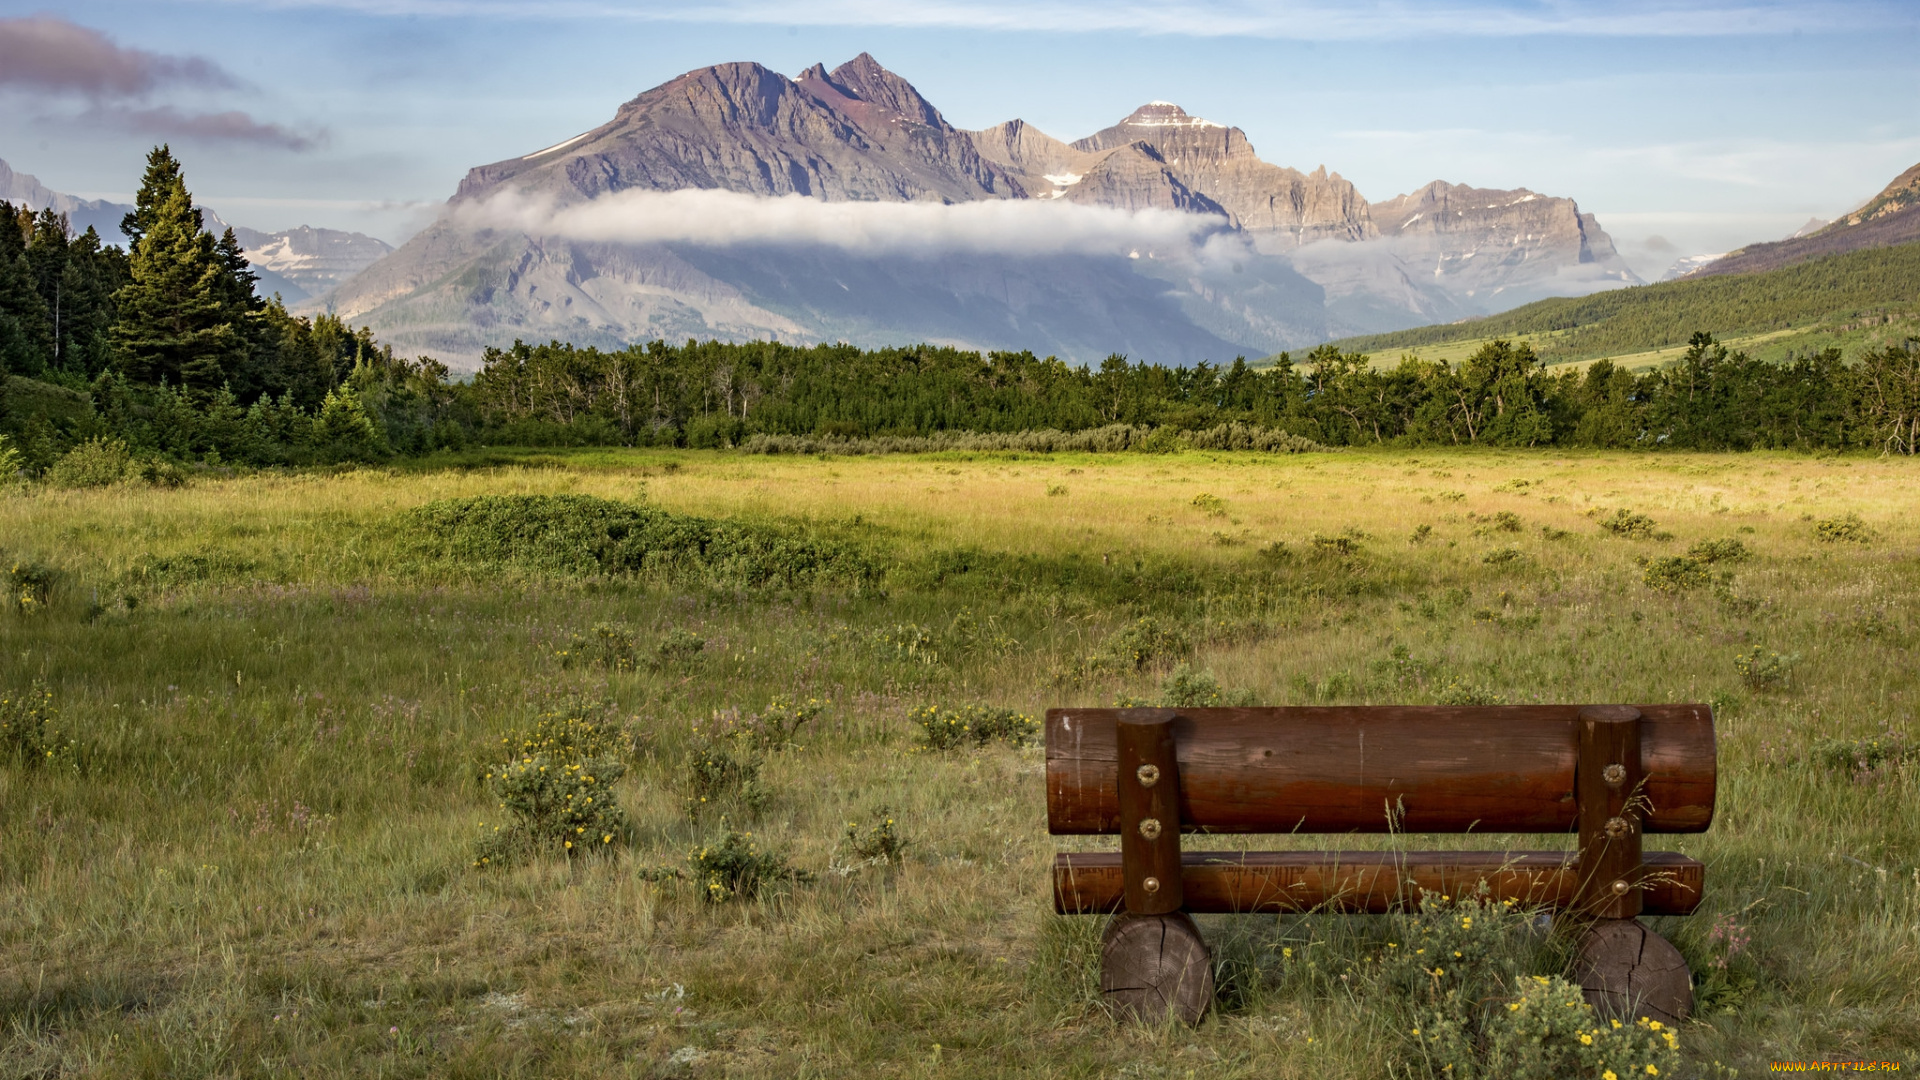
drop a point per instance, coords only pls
(1153, 962)
(1626, 970)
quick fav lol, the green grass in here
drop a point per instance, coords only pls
(283, 699)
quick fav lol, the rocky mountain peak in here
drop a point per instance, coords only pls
(863, 79)
(1164, 114)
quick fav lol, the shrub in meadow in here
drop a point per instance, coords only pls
(30, 585)
(1762, 668)
(678, 647)
(559, 806)
(972, 726)
(1675, 574)
(1141, 644)
(1460, 965)
(719, 776)
(734, 868)
(1848, 529)
(556, 781)
(878, 841)
(1633, 526)
(1712, 552)
(1869, 758)
(98, 462)
(30, 732)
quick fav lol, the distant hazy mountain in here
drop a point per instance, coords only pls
(1688, 265)
(310, 261)
(104, 217)
(1889, 218)
(556, 244)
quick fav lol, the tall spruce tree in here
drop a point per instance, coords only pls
(26, 330)
(177, 321)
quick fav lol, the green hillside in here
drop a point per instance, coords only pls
(1820, 300)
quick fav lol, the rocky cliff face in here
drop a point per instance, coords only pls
(1282, 208)
(1295, 256)
(1487, 245)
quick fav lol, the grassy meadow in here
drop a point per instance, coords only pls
(274, 707)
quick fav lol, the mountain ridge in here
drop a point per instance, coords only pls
(1295, 256)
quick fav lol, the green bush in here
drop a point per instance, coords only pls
(1842, 530)
(678, 647)
(1761, 668)
(98, 462)
(736, 869)
(30, 585)
(1478, 1013)
(1720, 551)
(1631, 525)
(718, 776)
(1676, 573)
(30, 732)
(878, 841)
(607, 645)
(972, 725)
(1142, 643)
(559, 806)
(1861, 758)
(574, 535)
(12, 463)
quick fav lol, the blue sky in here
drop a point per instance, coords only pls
(1686, 127)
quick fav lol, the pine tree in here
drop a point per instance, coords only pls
(26, 330)
(176, 320)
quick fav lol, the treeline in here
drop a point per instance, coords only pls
(1877, 281)
(715, 395)
(164, 347)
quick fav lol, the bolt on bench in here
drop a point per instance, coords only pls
(1608, 772)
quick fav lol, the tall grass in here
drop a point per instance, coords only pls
(283, 702)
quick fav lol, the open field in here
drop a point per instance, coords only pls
(255, 856)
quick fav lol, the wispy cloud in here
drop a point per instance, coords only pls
(46, 53)
(728, 219)
(232, 126)
(1284, 19)
(61, 64)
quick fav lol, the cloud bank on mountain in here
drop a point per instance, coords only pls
(723, 219)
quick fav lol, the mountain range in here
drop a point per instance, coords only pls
(1889, 218)
(298, 264)
(738, 203)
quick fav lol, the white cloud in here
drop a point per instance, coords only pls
(1287, 19)
(726, 219)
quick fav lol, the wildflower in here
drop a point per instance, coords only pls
(1608, 1075)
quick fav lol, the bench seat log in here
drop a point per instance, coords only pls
(1364, 882)
(1336, 769)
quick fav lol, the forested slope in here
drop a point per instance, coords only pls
(1653, 316)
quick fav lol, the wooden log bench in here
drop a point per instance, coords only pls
(1608, 773)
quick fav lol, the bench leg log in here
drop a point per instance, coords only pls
(1627, 971)
(1155, 968)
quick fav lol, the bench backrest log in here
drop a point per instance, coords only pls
(1414, 769)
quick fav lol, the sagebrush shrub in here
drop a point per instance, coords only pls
(972, 725)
